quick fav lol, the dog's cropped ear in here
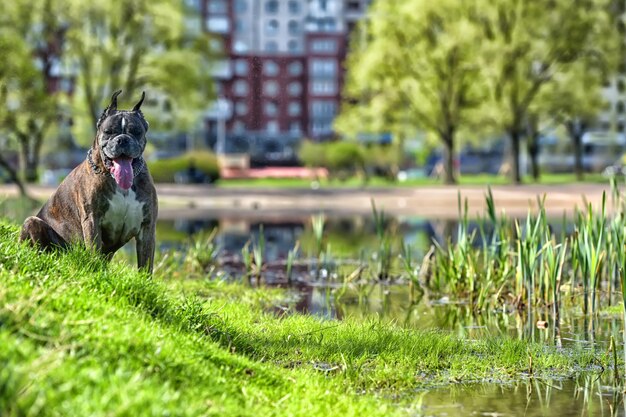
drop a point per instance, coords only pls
(137, 109)
(138, 105)
(112, 108)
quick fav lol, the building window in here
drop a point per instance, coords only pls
(270, 88)
(272, 126)
(353, 6)
(294, 88)
(241, 108)
(240, 25)
(272, 27)
(323, 68)
(218, 7)
(193, 4)
(271, 109)
(239, 126)
(321, 127)
(271, 6)
(620, 86)
(295, 68)
(218, 24)
(324, 87)
(240, 46)
(270, 68)
(241, 6)
(241, 67)
(294, 46)
(295, 109)
(620, 107)
(323, 108)
(271, 46)
(324, 46)
(217, 45)
(295, 127)
(293, 27)
(294, 7)
(240, 88)
(327, 25)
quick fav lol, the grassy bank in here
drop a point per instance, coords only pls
(470, 179)
(80, 337)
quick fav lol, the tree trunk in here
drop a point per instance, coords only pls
(14, 177)
(448, 159)
(533, 153)
(29, 155)
(576, 127)
(577, 141)
(515, 157)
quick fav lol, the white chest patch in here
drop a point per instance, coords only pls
(123, 218)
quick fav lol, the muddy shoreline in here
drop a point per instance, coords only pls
(201, 201)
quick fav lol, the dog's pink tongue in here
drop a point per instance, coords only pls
(122, 171)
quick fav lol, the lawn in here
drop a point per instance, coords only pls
(79, 337)
(482, 179)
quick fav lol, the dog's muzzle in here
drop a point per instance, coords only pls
(121, 154)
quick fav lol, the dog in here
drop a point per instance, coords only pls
(109, 198)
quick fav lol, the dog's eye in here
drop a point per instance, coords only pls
(108, 131)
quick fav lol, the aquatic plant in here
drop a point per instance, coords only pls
(383, 255)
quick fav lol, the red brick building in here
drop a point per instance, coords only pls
(282, 71)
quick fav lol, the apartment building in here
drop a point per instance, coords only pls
(282, 72)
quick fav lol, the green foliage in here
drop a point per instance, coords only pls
(342, 158)
(164, 170)
(313, 154)
(28, 110)
(483, 67)
(383, 160)
(530, 48)
(133, 46)
(414, 68)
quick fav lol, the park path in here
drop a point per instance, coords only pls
(201, 201)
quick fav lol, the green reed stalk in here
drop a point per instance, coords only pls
(291, 257)
(410, 270)
(385, 251)
(317, 224)
(593, 254)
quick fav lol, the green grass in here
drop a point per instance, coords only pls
(481, 179)
(81, 337)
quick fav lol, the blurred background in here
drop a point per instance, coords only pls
(323, 90)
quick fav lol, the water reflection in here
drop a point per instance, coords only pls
(393, 303)
(324, 295)
(589, 394)
(346, 236)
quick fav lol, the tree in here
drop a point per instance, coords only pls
(574, 96)
(419, 62)
(138, 44)
(528, 44)
(574, 99)
(30, 45)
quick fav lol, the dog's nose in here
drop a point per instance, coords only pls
(125, 145)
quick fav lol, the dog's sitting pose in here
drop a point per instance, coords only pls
(109, 198)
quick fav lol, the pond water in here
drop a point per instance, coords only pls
(586, 395)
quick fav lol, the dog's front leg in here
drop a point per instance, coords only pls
(145, 243)
(91, 233)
